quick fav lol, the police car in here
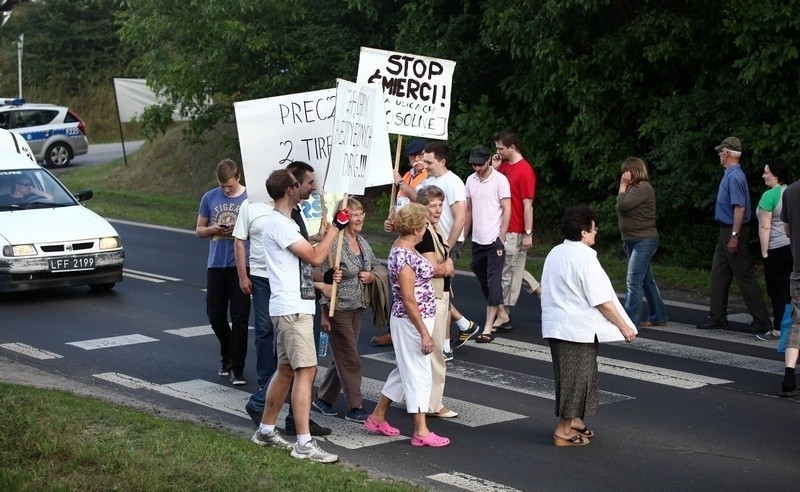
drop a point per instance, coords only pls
(55, 133)
(47, 238)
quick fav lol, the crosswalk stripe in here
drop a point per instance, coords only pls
(191, 331)
(643, 372)
(470, 414)
(500, 378)
(471, 483)
(709, 355)
(349, 435)
(194, 331)
(139, 274)
(143, 277)
(100, 343)
(722, 335)
(34, 352)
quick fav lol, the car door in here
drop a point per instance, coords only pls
(34, 126)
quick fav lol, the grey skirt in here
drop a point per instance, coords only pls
(575, 369)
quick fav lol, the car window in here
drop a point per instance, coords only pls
(42, 186)
(5, 120)
(33, 117)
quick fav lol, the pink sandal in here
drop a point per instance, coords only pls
(384, 428)
(431, 440)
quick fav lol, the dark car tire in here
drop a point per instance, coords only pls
(102, 287)
(58, 155)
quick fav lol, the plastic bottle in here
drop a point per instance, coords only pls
(323, 344)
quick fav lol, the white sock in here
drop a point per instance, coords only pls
(446, 345)
(266, 429)
(303, 439)
(463, 323)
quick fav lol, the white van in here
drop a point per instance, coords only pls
(47, 238)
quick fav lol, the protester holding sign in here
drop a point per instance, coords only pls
(344, 372)
(290, 258)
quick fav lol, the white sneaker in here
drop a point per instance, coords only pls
(313, 452)
(273, 438)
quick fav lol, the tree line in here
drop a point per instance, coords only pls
(586, 83)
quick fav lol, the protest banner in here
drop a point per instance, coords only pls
(275, 131)
(416, 90)
(351, 158)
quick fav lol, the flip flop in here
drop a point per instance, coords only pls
(576, 440)
(431, 440)
(484, 338)
(384, 428)
(507, 326)
(585, 432)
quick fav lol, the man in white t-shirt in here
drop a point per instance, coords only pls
(289, 261)
(488, 215)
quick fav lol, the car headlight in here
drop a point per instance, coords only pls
(112, 242)
(19, 250)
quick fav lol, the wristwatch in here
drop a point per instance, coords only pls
(400, 183)
(734, 233)
(528, 232)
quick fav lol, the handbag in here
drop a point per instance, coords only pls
(786, 325)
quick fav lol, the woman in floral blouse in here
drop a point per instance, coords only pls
(411, 323)
(344, 372)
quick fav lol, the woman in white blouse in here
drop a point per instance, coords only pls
(579, 309)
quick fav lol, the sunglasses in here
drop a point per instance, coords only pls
(25, 183)
(475, 164)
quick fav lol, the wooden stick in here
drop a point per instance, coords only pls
(397, 154)
(335, 287)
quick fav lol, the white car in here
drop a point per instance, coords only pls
(47, 238)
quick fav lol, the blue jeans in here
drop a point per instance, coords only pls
(264, 332)
(640, 279)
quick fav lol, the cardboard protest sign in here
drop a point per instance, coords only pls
(354, 126)
(416, 90)
(275, 131)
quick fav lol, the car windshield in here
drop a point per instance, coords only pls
(32, 188)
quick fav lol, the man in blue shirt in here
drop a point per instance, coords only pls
(731, 255)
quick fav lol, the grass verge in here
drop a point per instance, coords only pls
(87, 444)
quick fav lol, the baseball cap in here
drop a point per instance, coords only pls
(730, 143)
(415, 146)
(479, 154)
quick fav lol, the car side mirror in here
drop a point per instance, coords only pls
(84, 195)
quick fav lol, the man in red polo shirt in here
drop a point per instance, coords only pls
(509, 161)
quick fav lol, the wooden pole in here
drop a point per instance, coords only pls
(339, 240)
(397, 154)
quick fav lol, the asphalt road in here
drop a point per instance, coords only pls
(680, 408)
(103, 153)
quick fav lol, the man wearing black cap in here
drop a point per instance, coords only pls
(411, 180)
(731, 255)
(487, 217)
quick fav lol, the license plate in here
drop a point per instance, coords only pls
(72, 264)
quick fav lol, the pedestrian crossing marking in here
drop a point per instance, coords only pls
(470, 414)
(110, 342)
(606, 365)
(194, 331)
(33, 352)
(471, 483)
(349, 435)
(500, 378)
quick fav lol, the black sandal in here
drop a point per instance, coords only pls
(484, 338)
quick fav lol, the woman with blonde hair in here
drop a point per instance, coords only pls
(636, 213)
(411, 323)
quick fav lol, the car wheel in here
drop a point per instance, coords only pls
(102, 287)
(58, 155)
